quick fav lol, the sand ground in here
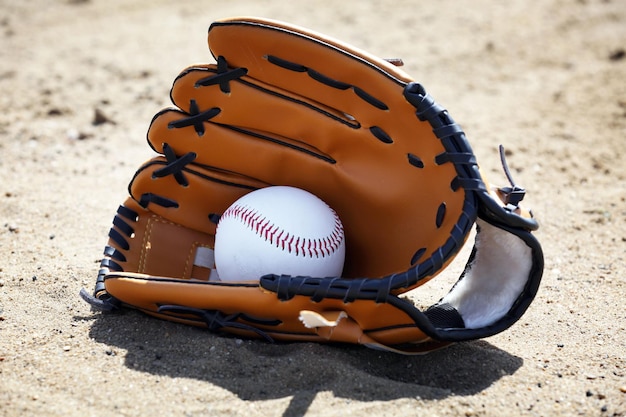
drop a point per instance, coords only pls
(547, 79)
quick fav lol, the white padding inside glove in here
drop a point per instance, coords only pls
(495, 278)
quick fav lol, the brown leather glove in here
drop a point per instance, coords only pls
(288, 106)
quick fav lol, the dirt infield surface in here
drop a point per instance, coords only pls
(80, 81)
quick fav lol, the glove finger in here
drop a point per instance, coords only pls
(284, 107)
(310, 64)
(270, 137)
(228, 148)
(188, 194)
(254, 106)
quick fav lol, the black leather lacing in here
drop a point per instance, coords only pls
(196, 118)
(380, 134)
(466, 158)
(441, 214)
(337, 84)
(331, 82)
(175, 165)
(417, 255)
(159, 200)
(349, 290)
(415, 160)
(215, 320)
(223, 77)
(514, 194)
(120, 233)
(100, 299)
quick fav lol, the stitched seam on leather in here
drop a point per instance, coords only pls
(282, 239)
(146, 238)
(189, 262)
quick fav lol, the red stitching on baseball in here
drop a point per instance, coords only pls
(313, 248)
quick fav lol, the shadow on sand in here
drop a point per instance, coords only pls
(256, 370)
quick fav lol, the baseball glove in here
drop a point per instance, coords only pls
(283, 105)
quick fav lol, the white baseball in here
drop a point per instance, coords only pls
(279, 230)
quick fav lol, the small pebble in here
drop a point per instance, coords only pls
(617, 55)
(100, 118)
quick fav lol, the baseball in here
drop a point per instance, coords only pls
(279, 230)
